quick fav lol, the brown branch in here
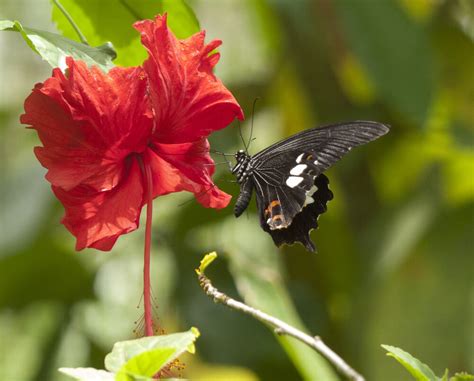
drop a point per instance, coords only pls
(279, 326)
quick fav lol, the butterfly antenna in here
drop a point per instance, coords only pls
(251, 124)
(216, 163)
(220, 153)
(242, 138)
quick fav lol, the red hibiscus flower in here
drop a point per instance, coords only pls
(109, 138)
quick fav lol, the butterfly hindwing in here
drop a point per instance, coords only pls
(289, 211)
(306, 220)
(277, 206)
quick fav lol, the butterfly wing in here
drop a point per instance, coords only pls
(289, 209)
(329, 143)
(291, 190)
(304, 221)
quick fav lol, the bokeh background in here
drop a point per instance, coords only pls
(395, 249)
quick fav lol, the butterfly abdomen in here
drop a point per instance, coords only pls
(243, 171)
(243, 200)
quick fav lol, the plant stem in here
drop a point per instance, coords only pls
(71, 21)
(146, 257)
(281, 328)
(132, 11)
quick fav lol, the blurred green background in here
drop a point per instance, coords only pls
(395, 249)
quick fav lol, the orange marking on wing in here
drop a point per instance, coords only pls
(273, 204)
(277, 221)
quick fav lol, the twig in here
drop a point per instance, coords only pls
(280, 327)
(71, 21)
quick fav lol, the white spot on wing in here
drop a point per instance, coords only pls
(298, 159)
(313, 189)
(298, 170)
(309, 199)
(316, 162)
(293, 181)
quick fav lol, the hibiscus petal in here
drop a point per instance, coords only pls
(97, 219)
(188, 167)
(89, 122)
(188, 100)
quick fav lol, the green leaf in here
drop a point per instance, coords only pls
(419, 371)
(112, 20)
(138, 359)
(54, 48)
(405, 230)
(463, 376)
(206, 261)
(124, 351)
(458, 187)
(146, 364)
(88, 374)
(395, 52)
(445, 375)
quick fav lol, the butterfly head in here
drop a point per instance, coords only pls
(240, 156)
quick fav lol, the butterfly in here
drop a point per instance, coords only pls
(291, 189)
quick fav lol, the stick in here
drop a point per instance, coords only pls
(279, 326)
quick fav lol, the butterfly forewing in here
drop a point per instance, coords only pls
(284, 190)
(329, 143)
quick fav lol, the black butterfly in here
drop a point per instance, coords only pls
(288, 178)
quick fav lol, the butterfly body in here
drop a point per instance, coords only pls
(243, 172)
(288, 179)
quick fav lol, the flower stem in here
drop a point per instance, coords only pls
(146, 171)
(71, 21)
(146, 258)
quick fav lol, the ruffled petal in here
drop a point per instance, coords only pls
(97, 219)
(89, 122)
(186, 166)
(188, 100)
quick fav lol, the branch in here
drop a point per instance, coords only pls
(279, 326)
(71, 21)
